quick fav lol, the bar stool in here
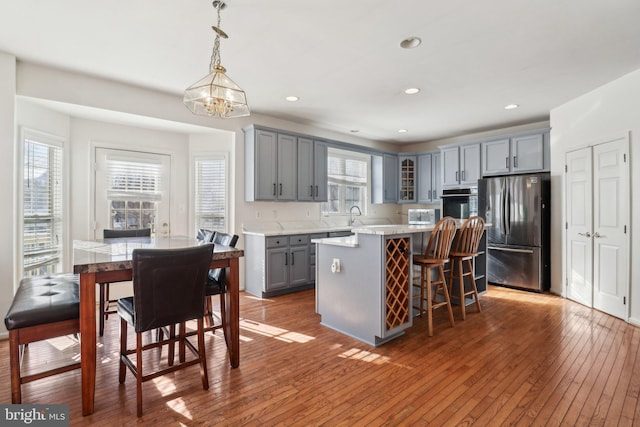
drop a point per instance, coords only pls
(435, 256)
(464, 251)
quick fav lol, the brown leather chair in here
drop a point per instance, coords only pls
(168, 289)
(44, 307)
(435, 256)
(105, 303)
(464, 251)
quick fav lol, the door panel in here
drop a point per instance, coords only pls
(579, 257)
(494, 210)
(524, 210)
(610, 216)
(514, 266)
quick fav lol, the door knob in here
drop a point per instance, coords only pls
(587, 234)
(597, 235)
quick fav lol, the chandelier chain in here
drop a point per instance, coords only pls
(215, 55)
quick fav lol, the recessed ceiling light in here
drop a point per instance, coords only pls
(411, 91)
(511, 106)
(402, 131)
(410, 42)
(292, 98)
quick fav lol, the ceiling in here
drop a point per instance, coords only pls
(343, 59)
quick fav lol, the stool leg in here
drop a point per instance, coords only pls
(446, 296)
(429, 303)
(14, 362)
(461, 284)
(139, 373)
(473, 284)
(423, 290)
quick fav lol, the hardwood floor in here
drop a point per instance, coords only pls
(527, 359)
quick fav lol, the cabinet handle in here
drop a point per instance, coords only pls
(311, 191)
(457, 176)
(463, 175)
(515, 161)
(316, 191)
(274, 188)
(286, 258)
(293, 260)
(506, 165)
(281, 189)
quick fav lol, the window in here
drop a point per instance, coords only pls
(134, 188)
(42, 206)
(347, 181)
(211, 193)
(132, 191)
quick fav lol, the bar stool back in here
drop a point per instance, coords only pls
(464, 251)
(435, 256)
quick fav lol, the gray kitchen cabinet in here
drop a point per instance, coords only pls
(270, 165)
(460, 165)
(408, 179)
(287, 167)
(515, 154)
(429, 177)
(278, 264)
(312, 170)
(384, 178)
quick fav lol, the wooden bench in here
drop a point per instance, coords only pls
(43, 307)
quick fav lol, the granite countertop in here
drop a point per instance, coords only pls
(283, 228)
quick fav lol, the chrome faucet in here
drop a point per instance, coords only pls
(351, 220)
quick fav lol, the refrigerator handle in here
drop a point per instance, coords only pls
(503, 227)
(507, 208)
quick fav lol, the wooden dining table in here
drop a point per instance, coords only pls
(105, 261)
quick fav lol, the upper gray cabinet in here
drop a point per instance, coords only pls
(460, 165)
(384, 178)
(283, 166)
(312, 170)
(408, 179)
(429, 177)
(515, 154)
(270, 165)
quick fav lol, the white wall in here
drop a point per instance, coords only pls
(7, 182)
(609, 110)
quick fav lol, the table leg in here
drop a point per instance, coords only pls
(88, 340)
(232, 307)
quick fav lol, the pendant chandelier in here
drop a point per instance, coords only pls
(216, 95)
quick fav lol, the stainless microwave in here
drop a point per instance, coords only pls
(460, 203)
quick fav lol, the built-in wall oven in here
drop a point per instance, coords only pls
(460, 203)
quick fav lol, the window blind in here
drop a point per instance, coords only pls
(210, 193)
(138, 179)
(42, 207)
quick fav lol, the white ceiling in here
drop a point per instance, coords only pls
(342, 58)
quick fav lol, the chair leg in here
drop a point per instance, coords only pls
(181, 339)
(473, 285)
(446, 296)
(208, 311)
(139, 373)
(423, 290)
(202, 355)
(14, 362)
(123, 349)
(102, 306)
(171, 350)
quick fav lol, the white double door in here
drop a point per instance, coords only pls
(597, 197)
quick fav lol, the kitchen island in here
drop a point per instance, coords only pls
(364, 282)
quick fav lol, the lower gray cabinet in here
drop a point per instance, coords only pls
(279, 264)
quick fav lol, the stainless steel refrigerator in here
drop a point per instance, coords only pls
(516, 209)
